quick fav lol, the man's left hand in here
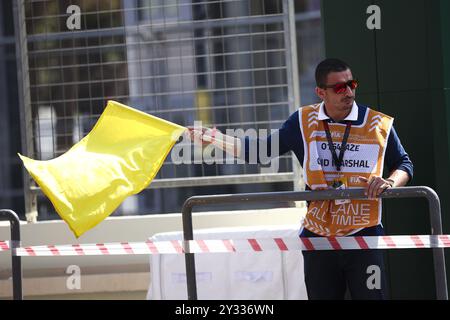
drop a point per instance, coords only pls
(375, 186)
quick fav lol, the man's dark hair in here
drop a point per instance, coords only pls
(327, 66)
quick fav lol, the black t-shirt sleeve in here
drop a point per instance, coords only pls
(396, 157)
(287, 138)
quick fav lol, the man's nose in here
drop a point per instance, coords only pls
(348, 90)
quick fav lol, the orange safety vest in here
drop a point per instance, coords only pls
(364, 156)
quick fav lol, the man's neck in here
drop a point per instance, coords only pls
(336, 116)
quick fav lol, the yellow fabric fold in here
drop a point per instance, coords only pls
(119, 157)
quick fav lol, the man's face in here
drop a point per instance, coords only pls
(338, 102)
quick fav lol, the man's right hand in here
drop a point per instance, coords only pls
(201, 135)
(206, 136)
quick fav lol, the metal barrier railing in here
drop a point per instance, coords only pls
(404, 192)
(16, 261)
(358, 193)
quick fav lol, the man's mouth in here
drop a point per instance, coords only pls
(348, 99)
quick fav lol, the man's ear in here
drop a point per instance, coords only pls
(320, 93)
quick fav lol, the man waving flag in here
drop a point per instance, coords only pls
(119, 157)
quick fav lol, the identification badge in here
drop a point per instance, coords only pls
(340, 184)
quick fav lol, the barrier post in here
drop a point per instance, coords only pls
(188, 234)
(356, 193)
(16, 261)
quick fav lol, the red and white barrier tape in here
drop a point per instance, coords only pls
(237, 245)
(4, 246)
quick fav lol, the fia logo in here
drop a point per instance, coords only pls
(354, 180)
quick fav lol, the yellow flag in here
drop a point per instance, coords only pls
(119, 157)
